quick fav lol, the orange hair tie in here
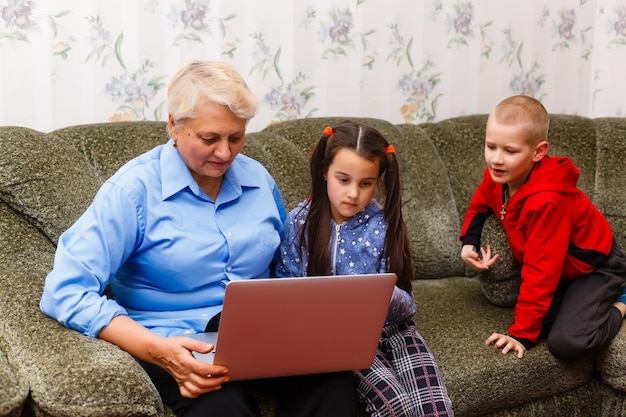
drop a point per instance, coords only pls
(328, 131)
(390, 149)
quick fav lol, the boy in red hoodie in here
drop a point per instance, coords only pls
(572, 268)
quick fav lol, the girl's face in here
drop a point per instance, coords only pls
(350, 183)
(209, 143)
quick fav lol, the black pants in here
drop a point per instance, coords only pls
(320, 395)
(582, 319)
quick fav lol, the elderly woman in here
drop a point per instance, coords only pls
(168, 231)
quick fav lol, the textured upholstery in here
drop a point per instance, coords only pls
(14, 389)
(500, 283)
(47, 180)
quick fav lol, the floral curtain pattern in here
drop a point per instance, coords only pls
(67, 62)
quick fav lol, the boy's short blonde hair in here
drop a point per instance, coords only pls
(526, 112)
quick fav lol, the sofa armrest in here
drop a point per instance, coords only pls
(611, 362)
(69, 374)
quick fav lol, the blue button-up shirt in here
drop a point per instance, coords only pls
(165, 247)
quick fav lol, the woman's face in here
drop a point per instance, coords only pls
(209, 142)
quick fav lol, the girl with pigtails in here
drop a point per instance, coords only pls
(341, 229)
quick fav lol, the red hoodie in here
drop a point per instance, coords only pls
(554, 230)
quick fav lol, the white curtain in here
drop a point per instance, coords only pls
(67, 62)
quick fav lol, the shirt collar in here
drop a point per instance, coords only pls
(175, 176)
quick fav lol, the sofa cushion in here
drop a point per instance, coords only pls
(610, 191)
(14, 386)
(287, 163)
(50, 192)
(108, 146)
(428, 206)
(455, 319)
(460, 139)
(575, 136)
(500, 283)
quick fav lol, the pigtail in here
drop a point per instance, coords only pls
(397, 242)
(314, 239)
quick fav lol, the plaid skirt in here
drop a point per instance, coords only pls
(404, 379)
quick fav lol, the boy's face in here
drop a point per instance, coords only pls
(510, 154)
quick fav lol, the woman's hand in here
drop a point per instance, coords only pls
(478, 263)
(194, 378)
(173, 354)
(506, 343)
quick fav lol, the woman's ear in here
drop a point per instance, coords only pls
(171, 125)
(541, 150)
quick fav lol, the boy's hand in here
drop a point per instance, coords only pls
(478, 263)
(506, 343)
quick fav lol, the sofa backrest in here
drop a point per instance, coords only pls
(443, 162)
(609, 192)
(44, 178)
(108, 146)
(51, 178)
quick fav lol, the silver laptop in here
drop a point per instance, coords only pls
(293, 326)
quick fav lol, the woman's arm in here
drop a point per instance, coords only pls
(172, 354)
(87, 255)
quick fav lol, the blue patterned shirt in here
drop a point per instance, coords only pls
(356, 247)
(165, 247)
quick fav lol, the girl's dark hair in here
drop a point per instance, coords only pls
(370, 144)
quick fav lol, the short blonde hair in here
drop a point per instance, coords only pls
(217, 82)
(525, 111)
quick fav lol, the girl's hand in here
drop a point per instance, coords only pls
(506, 343)
(478, 263)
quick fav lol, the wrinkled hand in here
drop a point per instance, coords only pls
(478, 263)
(170, 353)
(194, 378)
(506, 343)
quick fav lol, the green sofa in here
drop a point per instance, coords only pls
(48, 179)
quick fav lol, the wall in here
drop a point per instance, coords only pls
(66, 62)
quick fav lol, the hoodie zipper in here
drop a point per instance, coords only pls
(334, 264)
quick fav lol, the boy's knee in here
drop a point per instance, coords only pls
(565, 347)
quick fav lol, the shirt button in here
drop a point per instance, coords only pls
(229, 269)
(205, 315)
(229, 234)
(187, 331)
